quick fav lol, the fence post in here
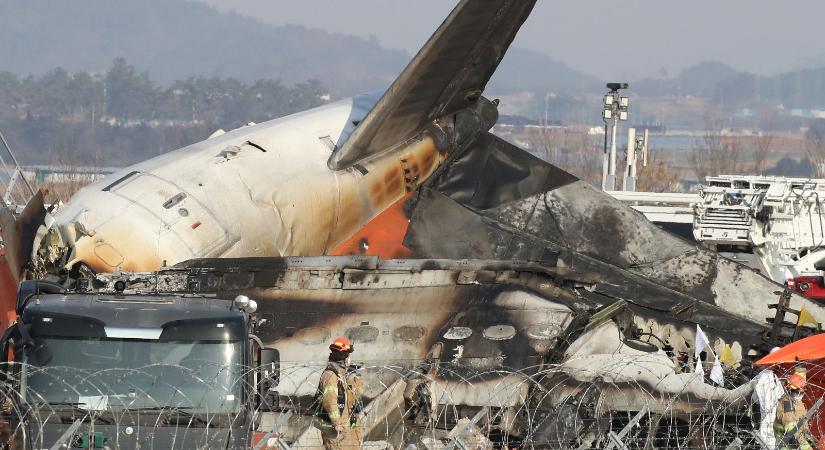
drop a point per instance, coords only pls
(66, 435)
(616, 438)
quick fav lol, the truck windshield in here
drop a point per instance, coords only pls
(119, 374)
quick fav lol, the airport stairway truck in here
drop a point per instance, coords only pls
(92, 370)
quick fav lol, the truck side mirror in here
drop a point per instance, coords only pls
(271, 365)
(269, 375)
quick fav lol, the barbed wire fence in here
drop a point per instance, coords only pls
(578, 404)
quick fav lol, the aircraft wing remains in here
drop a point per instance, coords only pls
(448, 74)
(496, 201)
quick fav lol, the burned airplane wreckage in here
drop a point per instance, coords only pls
(492, 260)
(525, 339)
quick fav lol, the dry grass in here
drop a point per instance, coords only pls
(62, 191)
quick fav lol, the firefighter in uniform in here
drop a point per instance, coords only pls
(789, 412)
(339, 402)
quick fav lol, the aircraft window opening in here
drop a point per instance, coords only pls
(499, 332)
(458, 333)
(362, 334)
(312, 335)
(543, 331)
(408, 333)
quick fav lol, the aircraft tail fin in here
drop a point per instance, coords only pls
(448, 74)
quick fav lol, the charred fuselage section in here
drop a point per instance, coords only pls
(517, 337)
(495, 201)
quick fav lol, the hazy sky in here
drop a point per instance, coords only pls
(763, 36)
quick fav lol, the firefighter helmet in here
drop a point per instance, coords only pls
(341, 345)
(797, 381)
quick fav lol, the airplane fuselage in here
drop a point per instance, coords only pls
(260, 190)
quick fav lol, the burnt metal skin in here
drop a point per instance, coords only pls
(488, 322)
(496, 201)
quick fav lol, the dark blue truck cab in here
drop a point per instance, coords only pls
(133, 371)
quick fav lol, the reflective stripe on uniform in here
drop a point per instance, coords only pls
(321, 423)
(331, 389)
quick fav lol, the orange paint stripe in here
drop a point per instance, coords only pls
(383, 236)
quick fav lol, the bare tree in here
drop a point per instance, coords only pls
(715, 154)
(575, 152)
(67, 175)
(586, 159)
(657, 176)
(815, 147)
(581, 155)
(762, 147)
(546, 142)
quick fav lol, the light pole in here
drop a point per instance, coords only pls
(615, 109)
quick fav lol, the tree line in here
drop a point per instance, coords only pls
(122, 115)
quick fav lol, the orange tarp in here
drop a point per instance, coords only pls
(808, 349)
(783, 362)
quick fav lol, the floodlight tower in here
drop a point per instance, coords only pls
(615, 109)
